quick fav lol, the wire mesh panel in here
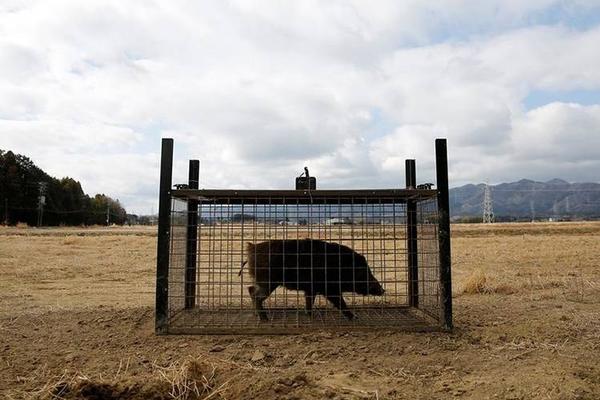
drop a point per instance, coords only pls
(288, 261)
(428, 258)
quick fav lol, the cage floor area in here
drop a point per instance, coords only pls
(290, 321)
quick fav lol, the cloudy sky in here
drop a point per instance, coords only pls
(258, 90)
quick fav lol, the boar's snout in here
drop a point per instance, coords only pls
(376, 289)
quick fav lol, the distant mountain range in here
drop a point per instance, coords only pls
(527, 199)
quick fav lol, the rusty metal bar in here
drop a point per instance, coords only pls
(164, 232)
(411, 236)
(192, 237)
(441, 157)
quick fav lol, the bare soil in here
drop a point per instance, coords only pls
(77, 322)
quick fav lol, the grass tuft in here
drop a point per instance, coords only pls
(478, 283)
(475, 283)
(191, 379)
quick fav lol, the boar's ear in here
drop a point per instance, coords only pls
(249, 245)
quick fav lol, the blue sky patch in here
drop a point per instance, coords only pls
(539, 98)
(380, 125)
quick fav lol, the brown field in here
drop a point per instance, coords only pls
(76, 321)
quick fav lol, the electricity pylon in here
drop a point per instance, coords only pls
(488, 211)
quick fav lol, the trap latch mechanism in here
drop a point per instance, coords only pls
(305, 181)
(426, 186)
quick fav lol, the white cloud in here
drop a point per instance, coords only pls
(559, 132)
(257, 90)
(65, 136)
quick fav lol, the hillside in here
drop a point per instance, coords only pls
(23, 184)
(529, 199)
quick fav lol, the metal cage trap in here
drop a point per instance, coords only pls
(288, 261)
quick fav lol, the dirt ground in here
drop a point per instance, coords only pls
(76, 321)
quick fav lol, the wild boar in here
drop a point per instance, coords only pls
(313, 266)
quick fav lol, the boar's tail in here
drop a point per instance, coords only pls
(242, 268)
(250, 251)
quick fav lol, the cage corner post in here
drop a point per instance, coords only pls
(163, 241)
(411, 236)
(441, 156)
(191, 237)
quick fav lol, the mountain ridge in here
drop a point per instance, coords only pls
(529, 199)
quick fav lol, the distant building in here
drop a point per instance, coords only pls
(339, 221)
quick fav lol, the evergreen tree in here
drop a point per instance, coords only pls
(66, 203)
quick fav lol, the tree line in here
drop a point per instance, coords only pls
(22, 183)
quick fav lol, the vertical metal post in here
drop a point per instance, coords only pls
(441, 161)
(164, 232)
(192, 237)
(411, 236)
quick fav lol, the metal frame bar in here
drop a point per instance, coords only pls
(441, 157)
(411, 236)
(164, 232)
(371, 196)
(192, 237)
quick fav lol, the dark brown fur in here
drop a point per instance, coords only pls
(313, 266)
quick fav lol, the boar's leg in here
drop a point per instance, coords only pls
(310, 300)
(338, 301)
(258, 294)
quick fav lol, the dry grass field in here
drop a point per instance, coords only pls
(76, 321)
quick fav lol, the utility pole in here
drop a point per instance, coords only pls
(41, 202)
(107, 215)
(488, 211)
